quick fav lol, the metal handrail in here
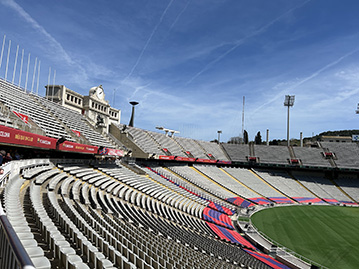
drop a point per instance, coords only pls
(18, 250)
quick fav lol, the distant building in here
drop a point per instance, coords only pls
(236, 140)
(94, 106)
(341, 139)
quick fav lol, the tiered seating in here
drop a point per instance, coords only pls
(217, 218)
(272, 154)
(252, 181)
(76, 121)
(168, 143)
(155, 222)
(240, 202)
(164, 192)
(22, 102)
(321, 187)
(349, 185)
(221, 208)
(191, 146)
(202, 181)
(230, 235)
(213, 149)
(226, 181)
(311, 156)
(143, 140)
(267, 259)
(347, 154)
(237, 152)
(118, 219)
(183, 183)
(175, 187)
(285, 184)
(5, 120)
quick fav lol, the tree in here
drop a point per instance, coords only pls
(245, 137)
(258, 139)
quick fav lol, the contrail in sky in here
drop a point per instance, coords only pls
(242, 40)
(315, 74)
(26, 16)
(148, 41)
(179, 15)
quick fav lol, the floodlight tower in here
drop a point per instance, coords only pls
(219, 136)
(133, 103)
(288, 102)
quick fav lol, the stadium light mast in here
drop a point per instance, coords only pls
(133, 103)
(219, 136)
(288, 102)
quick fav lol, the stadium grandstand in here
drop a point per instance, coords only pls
(91, 192)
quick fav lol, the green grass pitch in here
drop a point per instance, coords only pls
(328, 235)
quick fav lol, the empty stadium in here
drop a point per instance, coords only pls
(118, 196)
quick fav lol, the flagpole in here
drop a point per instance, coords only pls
(7, 59)
(2, 50)
(38, 78)
(13, 73)
(22, 61)
(27, 70)
(33, 75)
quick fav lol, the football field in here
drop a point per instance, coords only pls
(328, 235)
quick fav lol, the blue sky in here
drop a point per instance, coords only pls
(190, 62)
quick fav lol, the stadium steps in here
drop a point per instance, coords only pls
(235, 179)
(291, 152)
(213, 150)
(300, 183)
(199, 144)
(154, 190)
(153, 139)
(346, 194)
(126, 139)
(182, 148)
(68, 130)
(212, 180)
(255, 173)
(190, 147)
(188, 185)
(220, 199)
(225, 152)
(251, 149)
(11, 120)
(167, 144)
(330, 160)
(106, 137)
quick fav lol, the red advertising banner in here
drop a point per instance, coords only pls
(76, 147)
(224, 162)
(185, 159)
(164, 157)
(23, 117)
(78, 133)
(205, 161)
(18, 137)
